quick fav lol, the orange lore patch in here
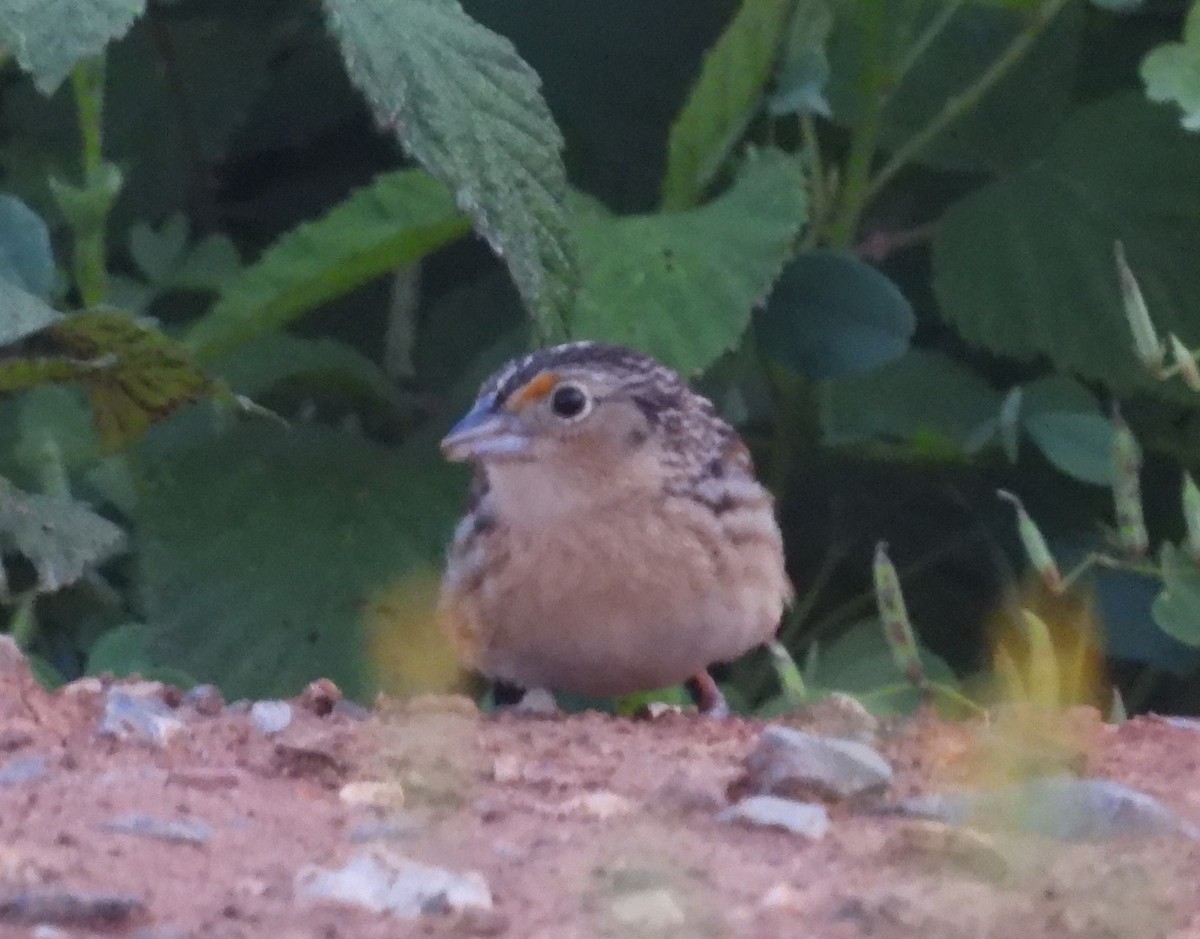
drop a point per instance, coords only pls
(535, 389)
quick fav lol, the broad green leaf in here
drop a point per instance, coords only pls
(725, 98)
(1015, 119)
(256, 367)
(1065, 421)
(49, 36)
(60, 537)
(397, 219)
(133, 374)
(1177, 608)
(922, 398)
(25, 255)
(1172, 72)
(1024, 266)
(121, 651)
(860, 661)
(832, 316)
(681, 285)
(21, 315)
(470, 109)
(261, 553)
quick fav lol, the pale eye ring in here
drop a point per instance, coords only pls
(570, 402)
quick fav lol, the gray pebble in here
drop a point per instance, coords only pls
(271, 716)
(23, 769)
(383, 882)
(1059, 807)
(204, 699)
(786, 761)
(809, 819)
(138, 712)
(1185, 723)
(392, 829)
(184, 831)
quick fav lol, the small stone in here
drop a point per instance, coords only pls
(809, 819)
(204, 778)
(380, 795)
(602, 805)
(271, 717)
(1059, 807)
(320, 697)
(404, 828)
(23, 770)
(88, 685)
(137, 712)
(790, 762)
(383, 882)
(506, 768)
(655, 909)
(538, 702)
(185, 831)
(1185, 723)
(837, 715)
(205, 700)
(55, 906)
(783, 896)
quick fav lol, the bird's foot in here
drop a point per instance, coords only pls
(708, 697)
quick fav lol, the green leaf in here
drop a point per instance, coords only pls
(25, 255)
(1063, 418)
(50, 36)
(1177, 609)
(860, 661)
(1172, 72)
(260, 553)
(397, 219)
(1015, 119)
(724, 99)
(121, 651)
(1024, 266)
(21, 314)
(832, 316)
(60, 537)
(921, 397)
(256, 367)
(469, 108)
(133, 374)
(680, 285)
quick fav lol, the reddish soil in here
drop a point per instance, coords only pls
(581, 826)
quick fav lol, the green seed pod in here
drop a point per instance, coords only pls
(1035, 545)
(894, 615)
(1127, 489)
(1185, 362)
(1146, 342)
(1191, 515)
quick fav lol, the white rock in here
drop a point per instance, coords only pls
(809, 819)
(384, 882)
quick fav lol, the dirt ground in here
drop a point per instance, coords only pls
(580, 826)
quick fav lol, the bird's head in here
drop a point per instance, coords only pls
(586, 413)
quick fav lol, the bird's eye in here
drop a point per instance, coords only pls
(569, 401)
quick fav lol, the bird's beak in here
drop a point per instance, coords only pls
(484, 433)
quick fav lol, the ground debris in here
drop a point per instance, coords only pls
(792, 763)
(62, 907)
(809, 819)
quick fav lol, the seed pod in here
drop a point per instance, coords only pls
(1185, 362)
(1146, 342)
(1127, 488)
(1036, 548)
(894, 615)
(1191, 515)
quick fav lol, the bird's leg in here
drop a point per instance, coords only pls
(707, 695)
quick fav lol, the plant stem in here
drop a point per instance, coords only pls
(87, 82)
(855, 189)
(817, 181)
(925, 40)
(960, 104)
(794, 432)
